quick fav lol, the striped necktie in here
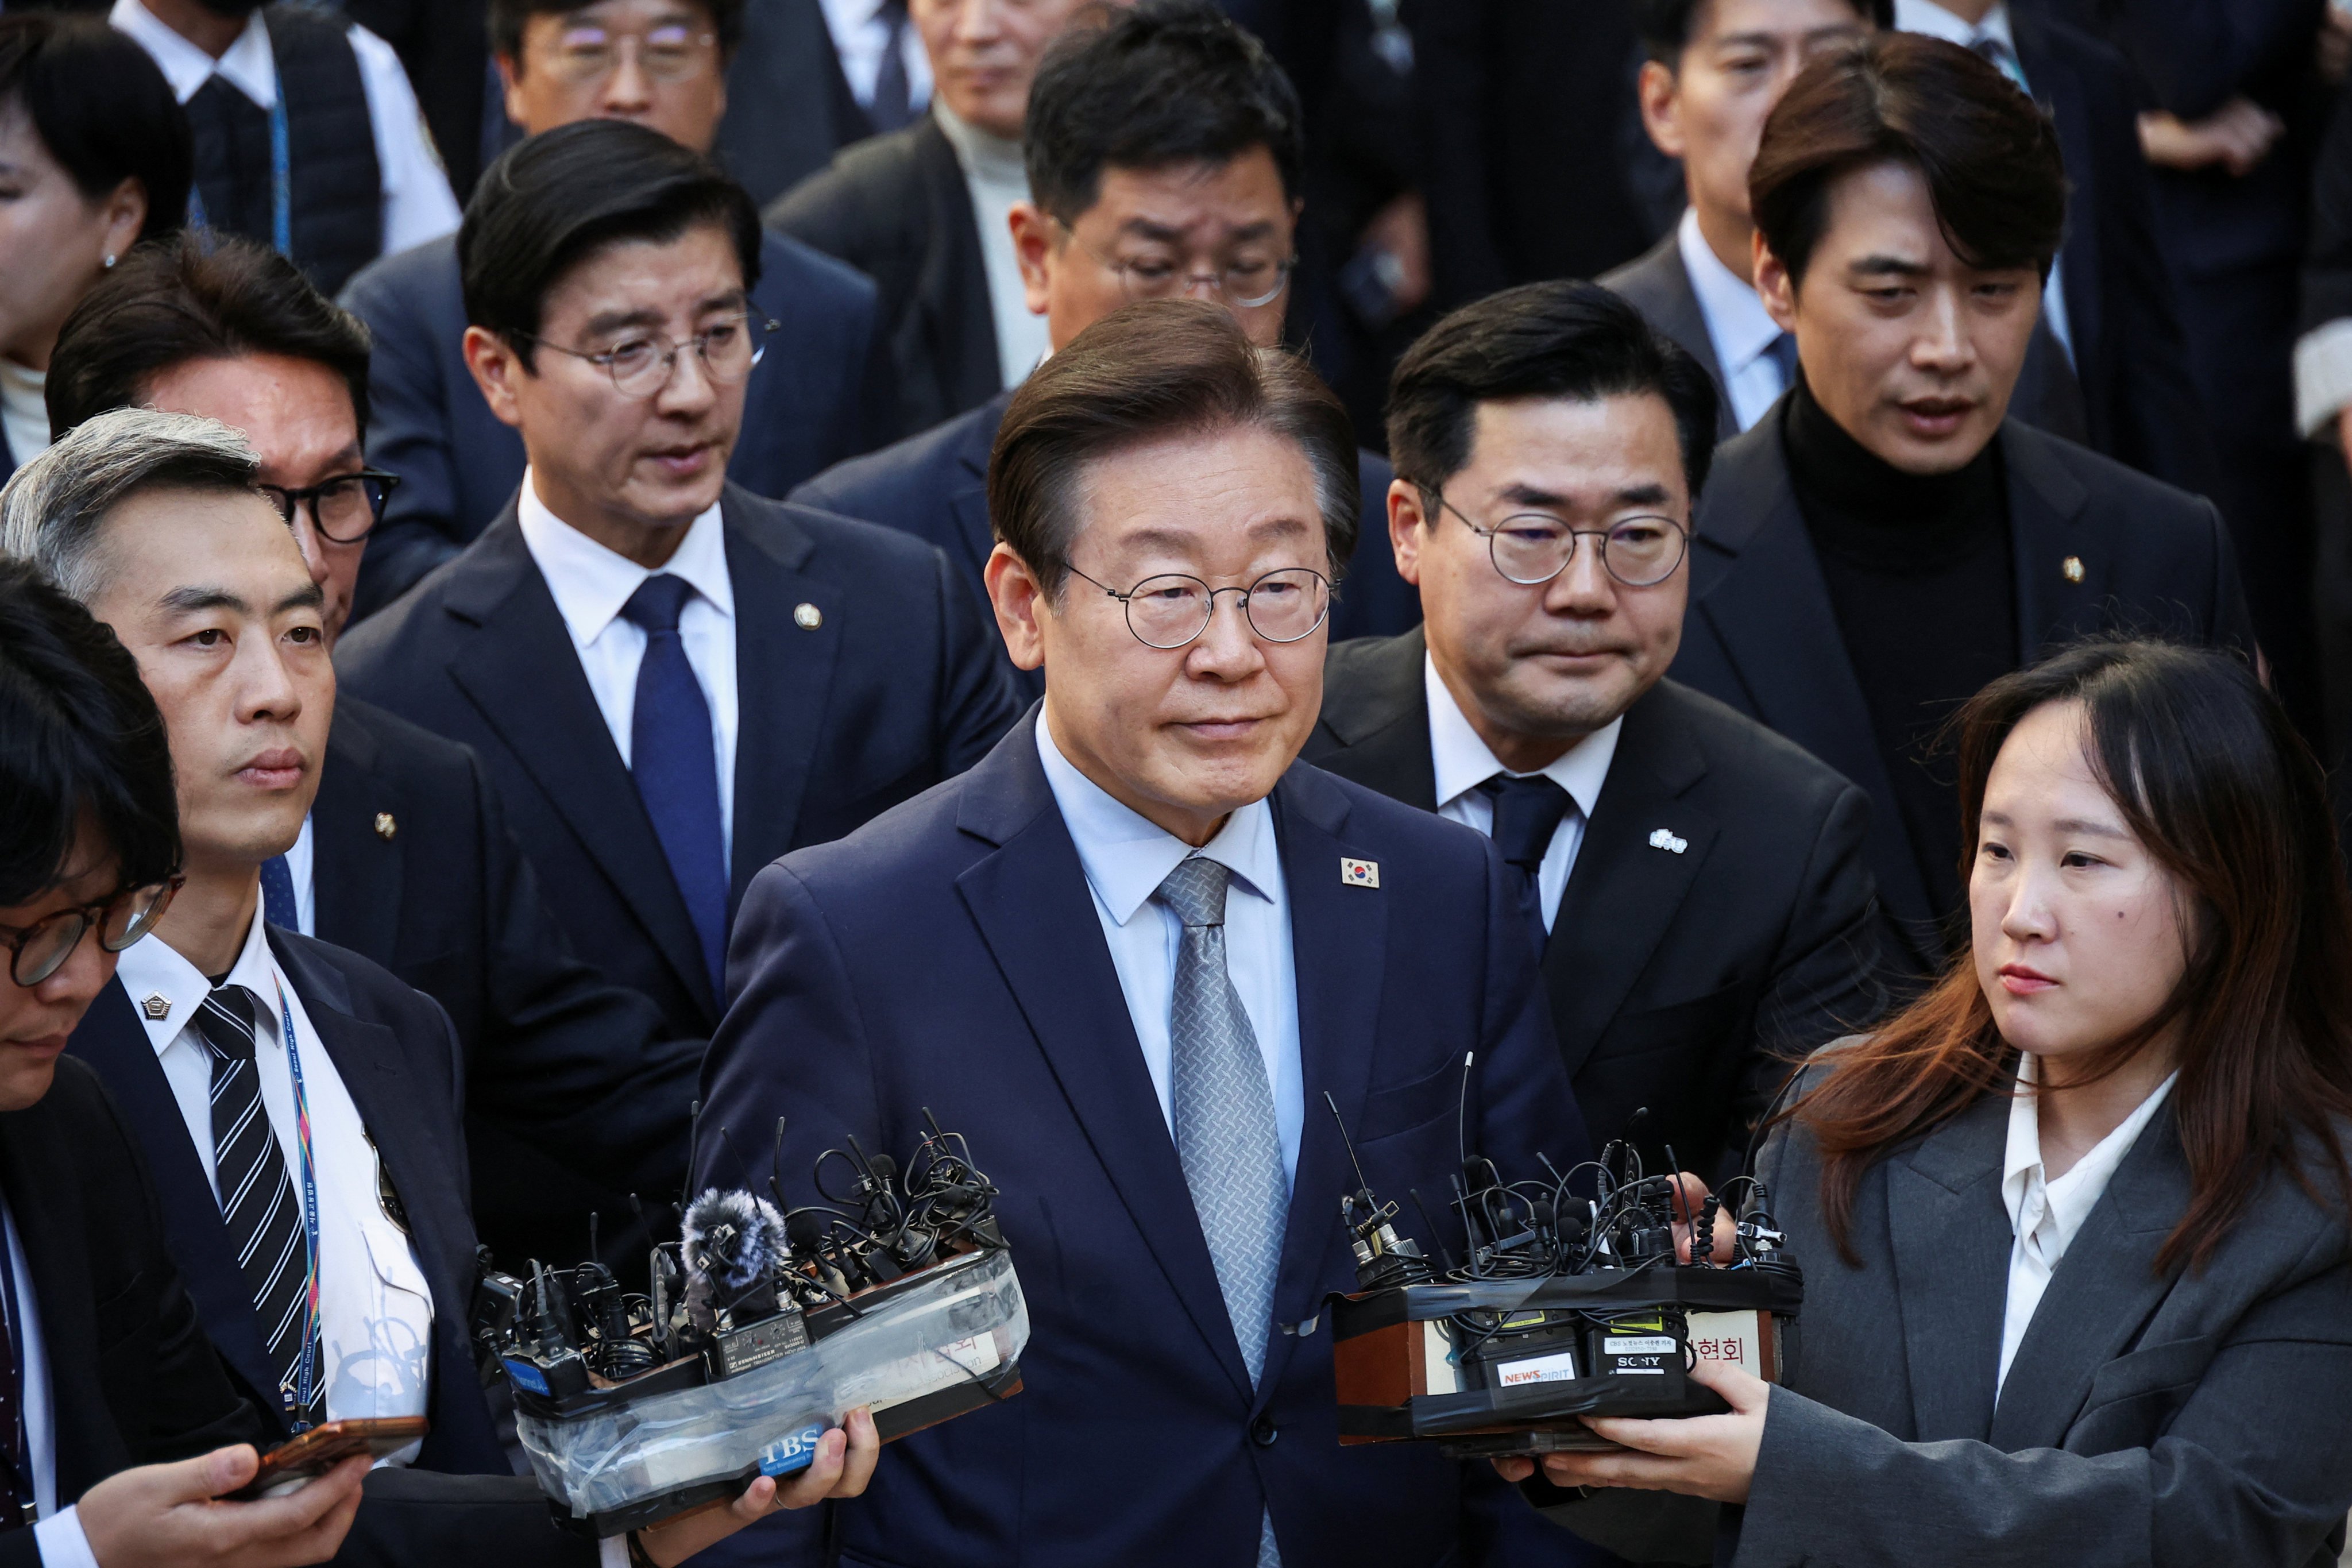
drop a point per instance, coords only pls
(259, 1208)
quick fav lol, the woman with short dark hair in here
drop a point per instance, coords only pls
(2078, 1274)
(94, 157)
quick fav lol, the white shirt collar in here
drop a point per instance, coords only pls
(247, 63)
(2069, 1199)
(1465, 762)
(590, 582)
(1735, 317)
(1926, 17)
(151, 967)
(1127, 856)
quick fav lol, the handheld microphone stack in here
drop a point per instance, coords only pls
(1564, 1306)
(765, 1325)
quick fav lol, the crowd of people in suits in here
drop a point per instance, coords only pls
(1097, 571)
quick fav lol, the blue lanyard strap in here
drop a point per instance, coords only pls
(307, 1380)
(281, 182)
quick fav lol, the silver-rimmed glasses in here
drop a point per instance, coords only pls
(1172, 609)
(1535, 547)
(642, 364)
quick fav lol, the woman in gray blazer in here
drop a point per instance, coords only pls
(2078, 1273)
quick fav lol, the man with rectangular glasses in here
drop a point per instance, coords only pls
(671, 681)
(1141, 956)
(661, 64)
(577, 1092)
(1695, 883)
(1164, 160)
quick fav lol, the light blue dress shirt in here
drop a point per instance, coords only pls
(1126, 859)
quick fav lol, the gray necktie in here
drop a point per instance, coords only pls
(1225, 1133)
(1226, 1138)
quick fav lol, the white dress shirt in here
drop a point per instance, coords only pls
(2043, 1214)
(23, 411)
(58, 1532)
(375, 1309)
(1738, 326)
(997, 178)
(417, 202)
(1926, 17)
(1126, 859)
(590, 584)
(1464, 762)
(860, 37)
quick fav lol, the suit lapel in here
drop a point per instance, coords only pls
(523, 677)
(1623, 891)
(55, 1228)
(1376, 703)
(1770, 607)
(2055, 83)
(1951, 1244)
(2103, 1290)
(2061, 580)
(1682, 318)
(783, 673)
(1338, 935)
(355, 874)
(113, 1041)
(1032, 905)
(968, 500)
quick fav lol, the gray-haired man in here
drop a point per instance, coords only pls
(241, 1052)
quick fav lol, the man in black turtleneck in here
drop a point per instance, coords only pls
(1886, 540)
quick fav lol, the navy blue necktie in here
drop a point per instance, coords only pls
(277, 905)
(674, 760)
(1527, 811)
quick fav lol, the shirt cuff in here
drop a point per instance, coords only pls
(61, 1544)
(611, 1553)
(2323, 376)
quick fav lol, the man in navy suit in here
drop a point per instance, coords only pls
(1164, 156)
(1129, 955)
(670, 680)
(299, 1107)
(562, 61)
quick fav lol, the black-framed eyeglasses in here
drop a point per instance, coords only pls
(642, 364)
(1535, 547)
(38, 950)
(1244, 284)
(342, 509)
(1172, 609)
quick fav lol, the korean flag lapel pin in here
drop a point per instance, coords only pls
(1360, 873)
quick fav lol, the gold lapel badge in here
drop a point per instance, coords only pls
(2071, 569)
(807, 616)
(385, 826)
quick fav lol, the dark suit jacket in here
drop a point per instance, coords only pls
(574, 1096)
(789, 108)
(896, 688)
(896, 207)
(2173, 1417)
(2131, 355)
(804, 408)
(935, 486)
(1014, 1030)
(132, 1379)
(398, 1056)
(445, 48)
(1657, 284)
(1761, 635)
(1683, 983)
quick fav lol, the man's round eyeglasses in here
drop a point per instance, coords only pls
(38, 950)
(1244, 284)
(1172, 609)
(642, 364)
(1534, 547)
(342, 509)
(583, 55)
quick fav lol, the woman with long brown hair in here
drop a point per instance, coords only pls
(2076, 1226)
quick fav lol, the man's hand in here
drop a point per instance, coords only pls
(1685, 1210)
(167, 1516)
(2236, 136)
(843, 1464)
(1699, 1456)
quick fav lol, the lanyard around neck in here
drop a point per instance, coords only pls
(307, 1380)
